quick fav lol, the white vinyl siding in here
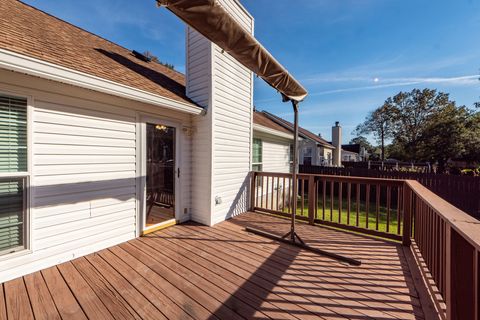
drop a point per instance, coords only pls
(275, 151)
(84, 179)
(232, 126)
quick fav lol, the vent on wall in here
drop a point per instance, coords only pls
(141, 56)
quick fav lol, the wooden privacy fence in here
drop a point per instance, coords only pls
(461, 191)
(446, 241)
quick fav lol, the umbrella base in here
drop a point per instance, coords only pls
(290, 237)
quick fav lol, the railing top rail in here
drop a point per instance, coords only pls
(382, 181)
(464, 224)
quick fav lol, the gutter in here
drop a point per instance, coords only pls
(31, 66)
(274, 132)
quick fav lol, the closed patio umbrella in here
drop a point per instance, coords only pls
(212, 21)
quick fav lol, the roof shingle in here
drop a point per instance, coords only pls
(34, 33)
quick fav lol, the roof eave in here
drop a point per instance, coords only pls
(260, 128)
(35, 67)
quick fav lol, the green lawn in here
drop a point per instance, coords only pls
(328, 215)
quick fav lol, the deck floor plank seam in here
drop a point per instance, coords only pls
(412, 298)
(253, 287)
(17, 300)
(259, 275)
(192, 307)
(309, 294)
(155, 296)
(356, 300)
(86, 297)
(64, 299)
(390, 289)
(41, 300)
(115, 303)
(230, 280)
(208, 294)
(190, 271)
(144, 308)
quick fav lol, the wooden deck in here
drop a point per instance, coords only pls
(196, 272)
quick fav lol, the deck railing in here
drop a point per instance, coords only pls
(446, 241)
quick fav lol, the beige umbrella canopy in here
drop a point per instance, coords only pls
(217, 25)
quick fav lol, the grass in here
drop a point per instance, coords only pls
(334, 215)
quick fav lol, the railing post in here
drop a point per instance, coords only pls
(253, 176)
(311, 199)
(407, 215)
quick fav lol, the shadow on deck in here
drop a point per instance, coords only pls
(191, 271)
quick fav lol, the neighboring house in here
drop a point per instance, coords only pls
(313, 149)
(99, 145)
(354, 153)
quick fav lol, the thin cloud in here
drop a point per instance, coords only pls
(401, 82)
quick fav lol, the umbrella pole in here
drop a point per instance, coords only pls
(294, 186)
(292, 237)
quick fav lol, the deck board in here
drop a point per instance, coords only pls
(17, 300)
(40, 298)
(196, 272)
(64, 299)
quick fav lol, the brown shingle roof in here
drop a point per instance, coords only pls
(261, 119)
(34, 33)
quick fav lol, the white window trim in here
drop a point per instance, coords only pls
(258, 163)
(28, 221)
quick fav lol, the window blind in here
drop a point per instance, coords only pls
(13, 160)
(13, 134)
(11, 214)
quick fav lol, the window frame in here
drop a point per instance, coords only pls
(260, 164)
(310, 156)
(27, 178)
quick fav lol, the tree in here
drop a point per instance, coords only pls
(445, 136)
(379, 123)
(154, 58)
(411, 113)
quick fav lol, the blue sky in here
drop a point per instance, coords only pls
(350, 54)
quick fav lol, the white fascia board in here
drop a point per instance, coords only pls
(271, 131)
(20, 63)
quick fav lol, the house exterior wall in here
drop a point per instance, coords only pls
(275, 152)
(224, 164)
(84, 172)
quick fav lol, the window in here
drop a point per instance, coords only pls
(13, 173)
(307, 156)
(290, 153)
(257, 155)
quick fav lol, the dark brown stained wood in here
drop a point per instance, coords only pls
(312, 311)
(276, 264)
(193, 292)
(91, 305)
(42, 302)
(3, 307)
(273, 269)
(190, 306)
(463, 295)
(155, 296)
(135, 299)
(17, 301)
(210, 294)
(66, 303)
(114, 302)
(249, 291)
(191, 271)
(206, 279)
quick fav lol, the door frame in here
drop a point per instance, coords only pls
(142, 169)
